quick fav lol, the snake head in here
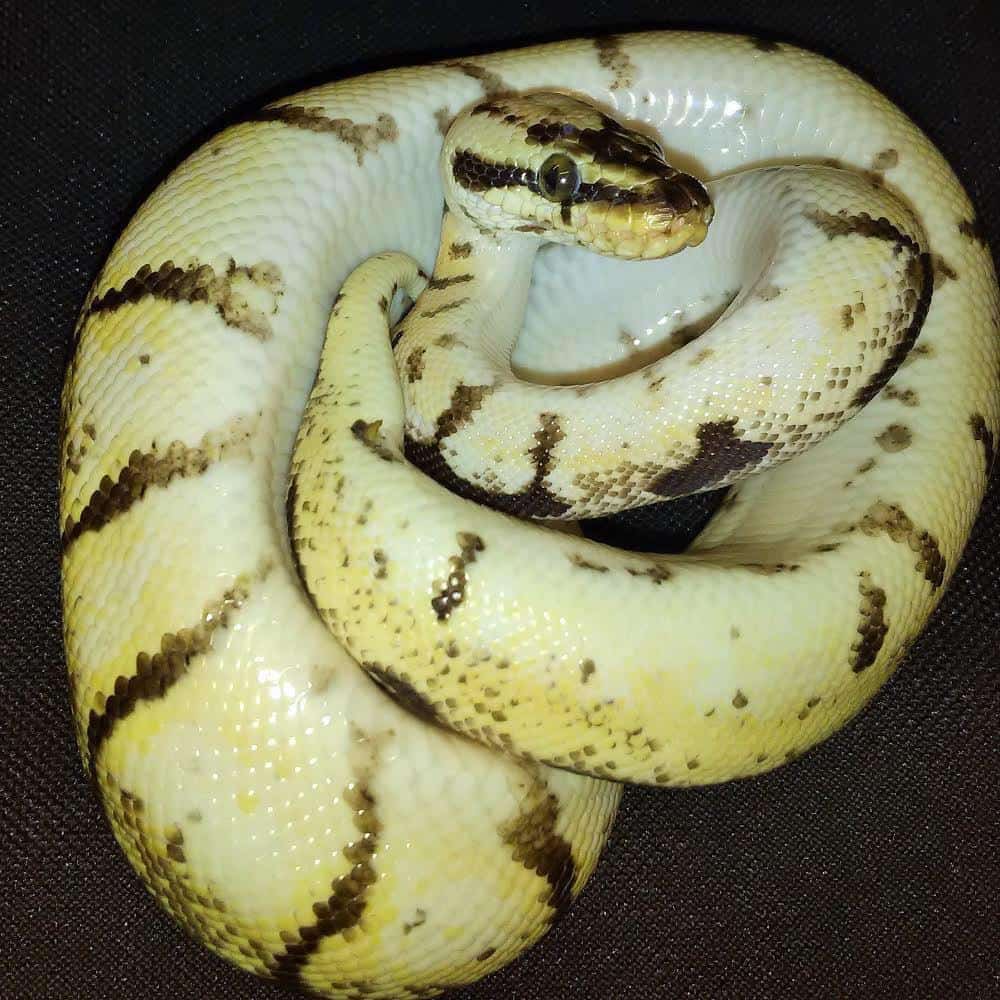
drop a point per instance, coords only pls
(558, 167)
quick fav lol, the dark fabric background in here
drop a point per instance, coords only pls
(868, 868)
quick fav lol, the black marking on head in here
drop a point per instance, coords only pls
(872, 627)
(587, 670)
(765, 45)
(451, 592)
(475, 173)
(362, 138)
(607, 145)
(984, 436)
(721, 452)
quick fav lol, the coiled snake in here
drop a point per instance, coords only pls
(830, 347)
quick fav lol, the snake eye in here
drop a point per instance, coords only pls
(559, 178)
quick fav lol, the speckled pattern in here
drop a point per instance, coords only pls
(897, 830)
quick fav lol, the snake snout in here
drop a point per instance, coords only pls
(677, 212)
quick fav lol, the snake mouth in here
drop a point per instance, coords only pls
(667, 214)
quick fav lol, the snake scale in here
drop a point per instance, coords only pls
(238, 539)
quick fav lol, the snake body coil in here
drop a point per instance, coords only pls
(284, 809)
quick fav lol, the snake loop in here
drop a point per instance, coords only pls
(821, 336)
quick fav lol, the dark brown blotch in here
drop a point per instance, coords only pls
(459, 251)
(534, 500)
(972, 229)
(982, 434)
(364, 137)
(612, 56)
(402, 691)
(886, 159)
(492, 84)
(921, 286)
(451, 591)
(890, 519)
(344, 908)
(896, 437)
(201, 283)
(537, 845)
(908, 397)
(436, 284)
(844, 223)
(446, 307)
(652, 571)
(721, 453)
(943, 271)
(157, 672)
(113, 497)
(872, 626)
(581, 563)
(369, 433)
(465, 400)
(415, 364)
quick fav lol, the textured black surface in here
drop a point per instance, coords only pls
(867, 869)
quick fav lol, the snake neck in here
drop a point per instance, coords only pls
(478, 292)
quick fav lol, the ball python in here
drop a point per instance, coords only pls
(241, 527)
